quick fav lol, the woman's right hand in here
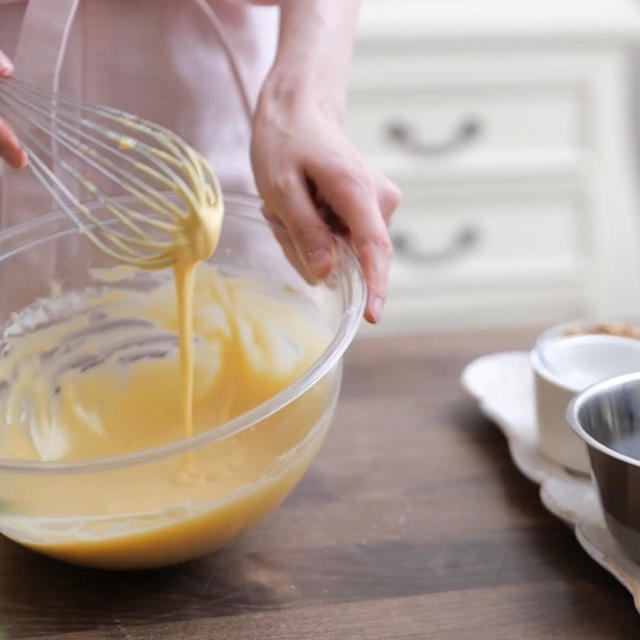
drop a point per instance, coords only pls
(10, 150)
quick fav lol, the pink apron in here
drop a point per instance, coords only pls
(160, 59)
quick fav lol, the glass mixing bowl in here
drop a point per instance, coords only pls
(97, 525)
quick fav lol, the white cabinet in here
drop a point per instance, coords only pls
(510, 127)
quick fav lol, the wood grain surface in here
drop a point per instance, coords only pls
(412, 523)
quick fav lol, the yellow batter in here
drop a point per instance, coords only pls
(96, 374)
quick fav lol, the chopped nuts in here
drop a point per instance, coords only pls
(609, 329)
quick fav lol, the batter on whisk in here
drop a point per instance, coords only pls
(116, 151)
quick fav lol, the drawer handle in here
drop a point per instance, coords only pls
(461, 243)
(403, 135)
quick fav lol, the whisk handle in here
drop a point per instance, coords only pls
(232, 59)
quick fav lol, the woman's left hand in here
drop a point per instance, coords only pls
(315, 183)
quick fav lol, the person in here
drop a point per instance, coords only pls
(158, 59)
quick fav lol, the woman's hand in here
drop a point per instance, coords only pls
(10, 149)
(311, 178)
(315, 183)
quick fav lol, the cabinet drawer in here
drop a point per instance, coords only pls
(496, 240)
(419, 123)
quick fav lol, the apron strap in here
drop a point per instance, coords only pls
(39, 55)
(232, 58)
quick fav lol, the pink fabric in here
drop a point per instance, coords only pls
(160, 59)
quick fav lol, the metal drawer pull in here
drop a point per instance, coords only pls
(463, 241)
(403, 135)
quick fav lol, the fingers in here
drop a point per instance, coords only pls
(10, 149)
(364, 207)
(389, 196)
(6, 66)
(286, 243)
(314, 182)
(313, 241)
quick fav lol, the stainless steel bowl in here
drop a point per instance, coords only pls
(607, 417)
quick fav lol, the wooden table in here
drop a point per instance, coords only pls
(412, 523)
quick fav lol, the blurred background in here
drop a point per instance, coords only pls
(511, 127)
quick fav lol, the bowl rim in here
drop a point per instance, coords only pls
(329, 358)
(556, 333)
(576, 403)
(542, 368)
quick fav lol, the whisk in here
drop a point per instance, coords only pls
(81, 152)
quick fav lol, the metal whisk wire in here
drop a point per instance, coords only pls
(114, 152)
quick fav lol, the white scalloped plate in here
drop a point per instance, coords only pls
(502, 384)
